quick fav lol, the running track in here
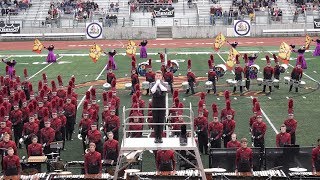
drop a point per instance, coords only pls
(175, 43)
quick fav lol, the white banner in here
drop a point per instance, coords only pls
(242, 27)
(94, 30)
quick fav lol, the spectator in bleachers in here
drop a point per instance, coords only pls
(116, 7)
(225, 18)
(111, 7)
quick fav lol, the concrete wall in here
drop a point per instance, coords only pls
(131, 33)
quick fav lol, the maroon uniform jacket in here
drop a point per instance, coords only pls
(9, 124)
(41, 112)
(112, 123)
(63, 120)
(16, 116)
(30, 129)
(283, 139)
(291, 125)
(315, 156)
(177, 126)
(150, 76)
(296, 73)
(91, 112)
(111, 149)
(228, 126)
(11, 162)
(238, 71)
(246, 71)
(136, 127)
(201, 123)
(47, 135)
(92, 159)
(134, 79)
(168, 77)
(110, 77)
(56, 124)
(215, 130)
(212, 75)
(96, 107)
(25, 114)
(94, 136)
(191, 77)
(206, 113)
(259, 129)
(85, 124)
(165, 156)
(244, 155)
(233, 144)
(69, 110)
(8, 144)
(267, 72)
(35, 150)
(117, 101)
(5, 130)
(105, 115)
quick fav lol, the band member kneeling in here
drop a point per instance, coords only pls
(92, 161)
(244, 157)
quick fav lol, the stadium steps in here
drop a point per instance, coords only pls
(164, 32)
(204, 11)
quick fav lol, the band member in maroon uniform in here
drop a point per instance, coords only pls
(16, 119)
(158, 91)
(4, 129)
(296, 74)
(110, 148)
(234, 143)
(191, 78)
(84, 127)
(92, 161)
(61, 93)
(150, 75)
(168, 76)
(115, 97)
(258, 131)
(283, 138)
(47, 135)
(165, 160)
(4, 145)
(246, 71)
(70, 113)
(134, 77)
(112, 124)
(35, 149)
(11, 164)
(291, 123)
(212, 75)
(228, 128)
(94, 136)
(238, 71)
(267, 75)
(244, 158)
(29, 129)
(227, 110)
(276, 68)
(201, 128)
(215, 129)
(110, 75)
(136, 127)
(316, 158)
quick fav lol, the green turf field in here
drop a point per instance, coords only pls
(306, 102)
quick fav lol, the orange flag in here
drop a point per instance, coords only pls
(308, 41)
(219, 41)
(37, 46)
(284, 53)
(95, 53)
(231, 61)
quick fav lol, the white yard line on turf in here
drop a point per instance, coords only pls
(303, 72)
(81, 101)
(43, 69)
(262, 111)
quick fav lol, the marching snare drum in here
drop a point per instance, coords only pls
(267, 82)
(127, 86)
(185, 85)
(287, 79)
(209, 85)
(302, 84)
(229, 82)
(106, 86)
(145, 85)
(220, 70)
(275, 83)
(233, 83)
(259, 81)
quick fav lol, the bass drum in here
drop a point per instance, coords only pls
(174, 66)
(253, 71)
(220, 70)
(142, 70)
(106, 86)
